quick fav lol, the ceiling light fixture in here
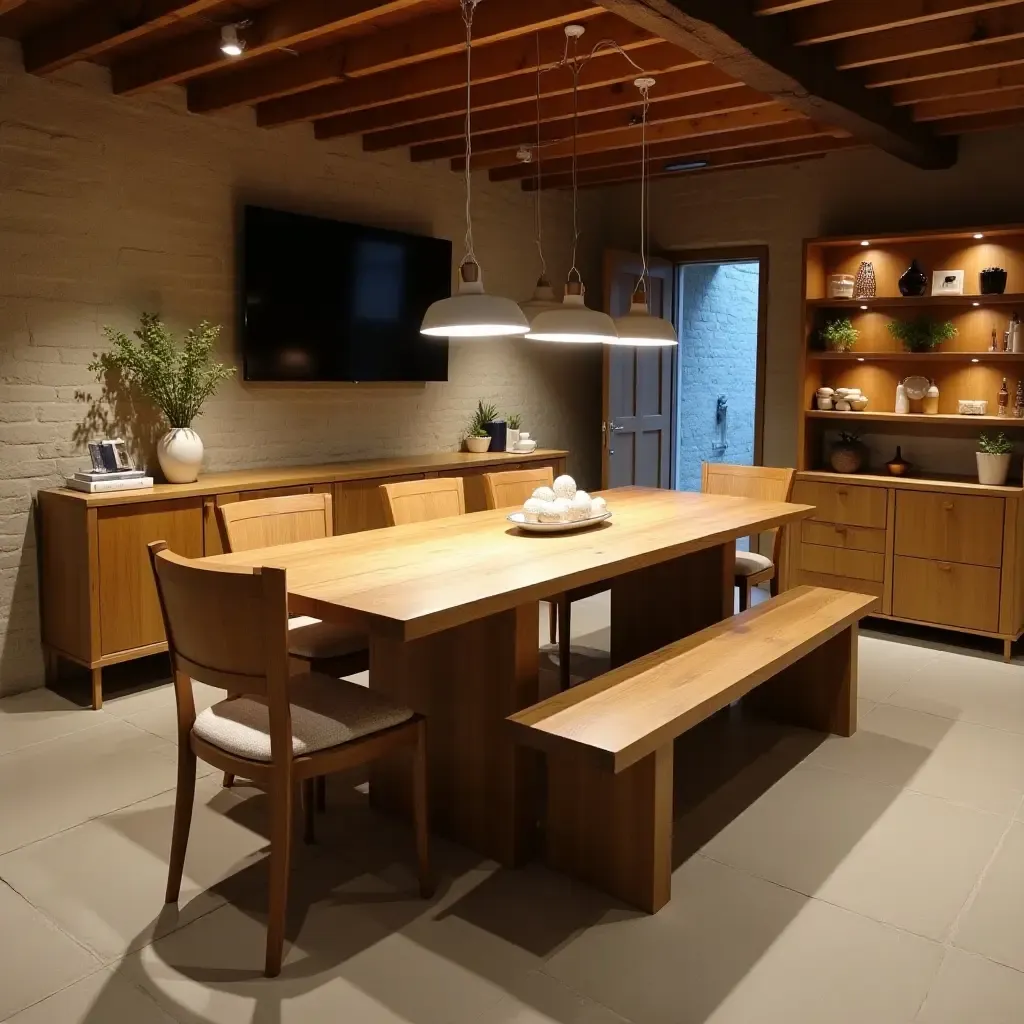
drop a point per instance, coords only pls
(471, 312)
(638, 327)
(573, 322)
(231, 44)
(865, 243)
(686, 165)
(978, 234)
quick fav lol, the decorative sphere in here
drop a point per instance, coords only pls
(562, 507)
(532, 508)
(565, 487)
(550, 513)
(598, 506)
(544, 494)
(579, 508)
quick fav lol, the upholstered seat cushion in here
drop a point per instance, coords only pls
(326, 712)
(313, 639)
(750, 562)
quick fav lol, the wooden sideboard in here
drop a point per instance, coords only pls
(98, 602)
(937, 553)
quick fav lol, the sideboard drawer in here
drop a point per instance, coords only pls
(946, 593)
(851, 505)
(858, 565)
(950, 527)
(838, 535)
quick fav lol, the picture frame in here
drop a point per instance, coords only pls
(96, 456)
(116, 457)
(947, 282)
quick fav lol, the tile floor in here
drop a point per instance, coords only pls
(872, 880)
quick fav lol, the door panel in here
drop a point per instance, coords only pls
(638, 382)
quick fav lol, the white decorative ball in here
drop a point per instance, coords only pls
(550, 513)
(565, 487)
(598, 506)
(580, 507)
(544, 494)
(562, 507)
(532, 508)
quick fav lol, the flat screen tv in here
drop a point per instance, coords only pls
(328, 301)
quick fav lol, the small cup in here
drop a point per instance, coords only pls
(824, 403)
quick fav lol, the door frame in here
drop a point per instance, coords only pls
(734, 254)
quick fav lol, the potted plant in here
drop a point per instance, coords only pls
(176, 378)
(994, 454)
(839, 335)
(478, 437)
(848, 454)
(922, 334)
(514, 420)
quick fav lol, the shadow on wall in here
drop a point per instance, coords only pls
(119, 412)
(21, 664)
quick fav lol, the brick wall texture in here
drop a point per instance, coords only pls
(110, 206)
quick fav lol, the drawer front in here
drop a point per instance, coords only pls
(804, 577)
(857, 565)
(842, 503)
(838, 535)
(946, 593)
(950, 527)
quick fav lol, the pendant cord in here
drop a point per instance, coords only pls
(468, 8)
(540, 178)
(575, 184)
(644, 189)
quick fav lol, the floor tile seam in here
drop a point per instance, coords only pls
(56, 991)
(50, 739)
(947, 718)
(583, 995)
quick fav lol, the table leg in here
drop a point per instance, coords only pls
(466, 681)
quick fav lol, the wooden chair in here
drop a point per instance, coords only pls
(417, 501)
(768, 484)
(228, 628)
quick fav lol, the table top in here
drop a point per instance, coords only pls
(411, 581)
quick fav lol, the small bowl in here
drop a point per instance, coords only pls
(825, 392)
(858, 403)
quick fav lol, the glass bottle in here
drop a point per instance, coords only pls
(1004, 400)
(931, 400)
(1018, 401)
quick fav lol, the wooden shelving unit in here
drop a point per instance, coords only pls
(920, 419)
(861, 356)
(920, 301)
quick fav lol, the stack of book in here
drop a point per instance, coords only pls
(94, 481)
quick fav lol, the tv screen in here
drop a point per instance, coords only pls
(328, 301)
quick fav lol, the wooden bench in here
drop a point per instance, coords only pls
(609, 742)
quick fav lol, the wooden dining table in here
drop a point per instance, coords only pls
(451, 611)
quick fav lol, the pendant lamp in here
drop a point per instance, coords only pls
(638, 328)
(471, 312)
(573, 322)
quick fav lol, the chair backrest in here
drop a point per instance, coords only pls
(417, 501)
(503, 490)
(264, 522)
(765, 482)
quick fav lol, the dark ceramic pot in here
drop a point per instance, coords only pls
(993, 281)
(848, 456)
(499, 435)
(898, 466)
(914, 280)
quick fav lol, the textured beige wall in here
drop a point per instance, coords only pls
(110, 206)
(859, 192)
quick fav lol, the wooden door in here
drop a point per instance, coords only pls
(639, 383)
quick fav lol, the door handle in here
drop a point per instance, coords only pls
(947, 506)
(945, 567)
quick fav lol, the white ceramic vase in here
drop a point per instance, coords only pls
(993, 469)
(180, 453)
(511, 439)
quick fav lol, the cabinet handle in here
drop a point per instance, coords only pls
(842, 491)
(840, 529)
(947, 506)
(945, 567)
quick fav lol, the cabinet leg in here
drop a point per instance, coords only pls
(97, 689)
(1007, 650)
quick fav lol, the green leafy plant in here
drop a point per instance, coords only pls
(846, 438)
(839, 335)
(176, 378)
(483, 415)
(922, 334)
(995, 444)
(514, 420)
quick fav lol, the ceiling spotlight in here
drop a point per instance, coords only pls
(863, 307)
(865, 243)
(860, 359)
(978, 234)
(230, 43)
(974, 360)
(975, 303)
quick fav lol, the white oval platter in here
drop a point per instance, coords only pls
(580, 524)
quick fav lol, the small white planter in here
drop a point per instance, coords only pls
(180, 453)
(478, 444)
(993, 469)
(511, 440)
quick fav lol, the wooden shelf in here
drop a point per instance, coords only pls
(915, 357)
(933, 482)
(1014, 299)
(916, 417)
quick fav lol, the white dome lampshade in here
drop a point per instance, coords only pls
(572, 322)
(543, 300)
(472, 313)
(640, 329)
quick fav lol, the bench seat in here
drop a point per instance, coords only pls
(609, 741)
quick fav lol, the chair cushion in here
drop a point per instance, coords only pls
(326, 712)
(310, 638)
(750, 562)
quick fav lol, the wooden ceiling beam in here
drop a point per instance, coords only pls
(697, 81)
(739, 97)
(428, 38)
(758, 51)
(497, 61)
(839, 21)
(992, 121)
(981, 103)
(281, 25)
(938, 65)
(686, 149)
(934, 37)
(662, 131)
(656, 56)
(94, 28)
(968, 84)
(762, 7)
(6, 6)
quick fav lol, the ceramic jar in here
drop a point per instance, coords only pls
(180, 454)
(993, 281)
(840, 286)
(914, 280)
(864, 283)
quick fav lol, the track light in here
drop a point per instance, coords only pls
(230, 43)
(686, 165)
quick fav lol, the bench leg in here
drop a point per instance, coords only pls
(817, 692)
(613, 831)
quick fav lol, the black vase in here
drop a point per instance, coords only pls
(914, 281)
(993, 281)
(498, 430)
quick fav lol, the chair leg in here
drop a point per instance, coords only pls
(229, 780)
(183, 798)
(553, 622)
(309, 810)
(564, 641)
(421, 811)
(280, 863)
(321, 792)
(744, 596)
